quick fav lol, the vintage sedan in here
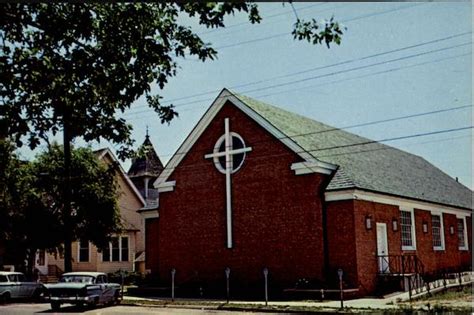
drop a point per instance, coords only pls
(83, 288)
(14, 285)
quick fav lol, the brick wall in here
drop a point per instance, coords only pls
(277, 218)
(342, 242)
(353, 247)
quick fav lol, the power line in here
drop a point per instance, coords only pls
(361, 76)
(333, 129)
(388, 147)
(325, 66)
(266, 156)
(264, 18)
(348, 20)
(322, 75)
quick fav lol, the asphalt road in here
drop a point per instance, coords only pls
(43, 308)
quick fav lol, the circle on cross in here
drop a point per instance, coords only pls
(230, 155)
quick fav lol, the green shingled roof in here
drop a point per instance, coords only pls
(374, 166)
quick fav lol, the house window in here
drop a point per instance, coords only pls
(83, 251)
(462, 239)
(437, 232)
(117, 250)
(124, 249)
(407, 229)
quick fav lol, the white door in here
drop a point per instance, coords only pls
(382, 248)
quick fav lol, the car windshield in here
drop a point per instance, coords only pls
(77, 279)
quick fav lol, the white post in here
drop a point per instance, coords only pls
(173, 272)
(228, 169)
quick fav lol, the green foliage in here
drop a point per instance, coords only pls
(31, 207)
(95, 213)
(91, 61)
(316, 33)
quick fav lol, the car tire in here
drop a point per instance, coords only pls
(117, 298)
(36, 297)
(94, 303)
(5, 298)
(55, 306)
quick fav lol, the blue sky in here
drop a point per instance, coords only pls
(396, 59)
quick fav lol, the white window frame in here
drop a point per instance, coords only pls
(413, 225)
(120, 250)
(466, 242)
(441, 232)
(79, 252)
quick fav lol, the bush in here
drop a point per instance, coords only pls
(129, 277)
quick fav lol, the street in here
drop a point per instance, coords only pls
(44, 308)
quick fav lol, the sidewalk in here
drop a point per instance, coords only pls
(389, 302)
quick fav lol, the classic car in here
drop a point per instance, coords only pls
(14, 285)
(82, 288)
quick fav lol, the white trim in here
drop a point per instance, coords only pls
(466, 241)
(441, 232)
(357, 194)
(166, 186)
(413, 228)
(149, 214)
(307, 167)
(216, 106)
(122, 171)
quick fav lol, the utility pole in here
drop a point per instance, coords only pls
(67, 190)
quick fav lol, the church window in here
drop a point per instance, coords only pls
(407, 229)
(437, 232)
(235, 159)
(462, 240)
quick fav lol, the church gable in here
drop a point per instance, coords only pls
(307, 163)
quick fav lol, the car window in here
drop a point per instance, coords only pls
(13, 278)
(3, 278)
(21, 278)
(77, 279)
(100, 279)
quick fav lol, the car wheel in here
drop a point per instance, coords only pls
(5, 298)
(37, 295)
(117, 298)
(94, 303)
(55, 306)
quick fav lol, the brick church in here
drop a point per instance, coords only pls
(254, 186)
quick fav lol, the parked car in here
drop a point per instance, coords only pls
(14, 285)
(83, 288)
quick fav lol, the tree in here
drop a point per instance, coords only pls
(77, 66)
(92, 61)
(34, 216)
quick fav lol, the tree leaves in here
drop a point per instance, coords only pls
(33, 200)
(317, 32)
(97, 59)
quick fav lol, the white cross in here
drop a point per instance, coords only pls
(228, 153)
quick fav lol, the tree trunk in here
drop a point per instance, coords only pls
(31, 259)
(67, 192)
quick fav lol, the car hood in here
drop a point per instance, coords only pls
(65, 285)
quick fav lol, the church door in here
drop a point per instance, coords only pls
(382, 248)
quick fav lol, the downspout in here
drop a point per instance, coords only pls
(324, 222)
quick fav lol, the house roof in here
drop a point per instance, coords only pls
(146, 164)
(100, 153)
(363, 163)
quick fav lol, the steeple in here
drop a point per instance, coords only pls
(145, 168)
